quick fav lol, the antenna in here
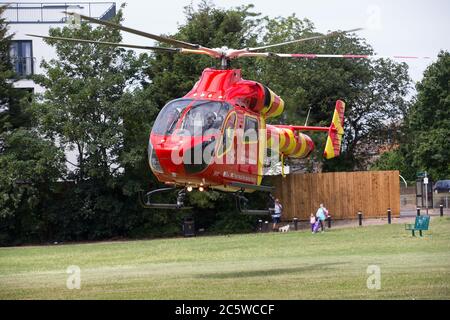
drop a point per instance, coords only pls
(307, 117)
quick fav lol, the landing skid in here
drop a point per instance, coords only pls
(244, 186)
(241, 200)
(145, 200)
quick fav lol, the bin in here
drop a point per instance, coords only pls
(188, 227)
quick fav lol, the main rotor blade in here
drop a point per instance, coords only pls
(334, 33)
(107, 43)
(176, 43)
(314, 56)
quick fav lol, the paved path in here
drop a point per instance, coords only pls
(413, 211)
(405, 217)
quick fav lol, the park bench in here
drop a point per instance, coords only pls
(420, 225)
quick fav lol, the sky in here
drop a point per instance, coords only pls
(392, 27)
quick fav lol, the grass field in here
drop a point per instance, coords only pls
(295, 265)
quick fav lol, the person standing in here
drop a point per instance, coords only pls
(312, 221)
(278, 210)
(321, 214)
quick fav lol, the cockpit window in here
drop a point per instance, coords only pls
(204, 117)
(167, 119)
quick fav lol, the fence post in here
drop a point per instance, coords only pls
(360, 216)
(295, 224)
(418, 211)
(389, 215)
(441, 210)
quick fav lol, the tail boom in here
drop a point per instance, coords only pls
(335, 131)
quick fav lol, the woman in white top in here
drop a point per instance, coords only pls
(278, 209)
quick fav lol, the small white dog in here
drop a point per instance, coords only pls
(284, 229)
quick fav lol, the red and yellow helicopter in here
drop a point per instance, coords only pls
(216, 136)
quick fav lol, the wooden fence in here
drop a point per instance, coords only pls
(342, 193)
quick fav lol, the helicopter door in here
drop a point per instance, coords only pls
(249, 158)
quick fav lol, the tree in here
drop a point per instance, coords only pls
(395, 160)
(428, 121)
(29, 164)
(29, 168)
(6, 72)
(12, 100)
(94, 106)
(85, 99)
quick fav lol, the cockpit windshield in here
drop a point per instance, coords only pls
(204, 117)
(167, 119)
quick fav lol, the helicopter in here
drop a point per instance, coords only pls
(216, 136)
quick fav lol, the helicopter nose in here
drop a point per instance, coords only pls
(162, 153)
(169, 163)
(185, 156)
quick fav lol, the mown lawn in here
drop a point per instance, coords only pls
(295, 265)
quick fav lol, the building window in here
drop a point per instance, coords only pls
(21, 53)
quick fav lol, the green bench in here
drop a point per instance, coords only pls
(420, 225)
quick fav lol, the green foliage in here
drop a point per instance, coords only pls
(85, 103)
(432, 108)
(26, 170)
(205, 199)
(30, 166)
(431, 152)
(12, 101)
(429, 121)
(395, 160)
(94, 106)
(232, 222)
(6, 72)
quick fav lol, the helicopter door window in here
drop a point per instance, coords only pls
(167, 119)
(251, 130)
(228, 133)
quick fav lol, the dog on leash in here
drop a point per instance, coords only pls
(284, 229)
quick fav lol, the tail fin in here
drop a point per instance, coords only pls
(335, 132)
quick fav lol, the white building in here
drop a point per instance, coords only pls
(37, 18)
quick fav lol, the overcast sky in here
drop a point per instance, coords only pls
(392, 27)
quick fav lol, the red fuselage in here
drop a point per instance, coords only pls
(201, 139)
